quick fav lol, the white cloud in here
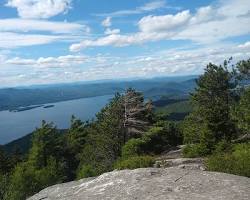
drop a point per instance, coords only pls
(107, 22)
(109, 31)
(14, 40)
(204, 14)
(161, 63)
(39, 9)
(163, 23)
(245, 45)
(119, 40)
(154, 5)
(26, 25)
(151, 6)
(207, 25)
(61, 61)
(16, 32)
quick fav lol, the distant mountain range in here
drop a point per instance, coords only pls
(13, 98)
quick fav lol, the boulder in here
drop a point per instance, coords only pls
(152, 184)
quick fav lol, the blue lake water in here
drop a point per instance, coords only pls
(14, 125)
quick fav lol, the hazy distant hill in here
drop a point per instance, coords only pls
(23, 144)
(12, 98)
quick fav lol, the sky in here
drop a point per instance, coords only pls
(60, 41)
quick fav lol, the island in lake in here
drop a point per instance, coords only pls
(49, 106)
(20, 109)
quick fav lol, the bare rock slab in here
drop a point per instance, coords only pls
(152, 184)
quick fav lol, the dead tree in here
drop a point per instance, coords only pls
(135, 111)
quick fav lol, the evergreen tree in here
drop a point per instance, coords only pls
(210, 121)
(43, 167)
(45, 144)
(243, 68)
(104, 141)
(75, 140)
(242, 113)
(212, 100)
(125, 117)
(4, 162)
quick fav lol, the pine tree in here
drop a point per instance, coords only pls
(212, 100)
(136, 114)
(4, 162)
(242, 113)
(43, 167)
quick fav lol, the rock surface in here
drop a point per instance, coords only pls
(174, 158)
(152, 184)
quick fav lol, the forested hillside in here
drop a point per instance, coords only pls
(129, 133)
(12, 98)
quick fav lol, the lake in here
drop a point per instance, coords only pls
(14, 125)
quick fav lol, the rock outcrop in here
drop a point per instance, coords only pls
(174, 158)
(152, 184)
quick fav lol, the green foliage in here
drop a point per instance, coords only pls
(74, 140)
(210, 122)
(27, 180)
(242, 112)
(111, 130)
(212, 99)
(134, 162)
(191, 127)
(134, 147)
(45, 143)
(43, 167)
(157, 139)
(235, 162)
(195, 150)
(86, 171)
(4, 179)
(183, 106)
(23, 183)
(105, 138)
(161, 137)
(4, 162)
(222, 146)
(243, 67)
(99, 153)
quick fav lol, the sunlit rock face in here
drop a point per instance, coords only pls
(152, 184)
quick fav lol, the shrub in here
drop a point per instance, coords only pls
(134, 147)
(158, 139)
(223, 146)
(135, 162)
(3, 185)
(195, 150)
(86, 171)
(236, 162)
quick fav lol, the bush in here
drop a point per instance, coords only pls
(26, 180)
(135, 162)
(195, 150)
(223, 146)
(86, 171)
(236, 162)
(158, 139)
(3, 185)
(134, 147)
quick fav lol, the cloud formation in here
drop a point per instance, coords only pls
(107, 22)
(163, 63)
(26, 25)
(39, 9)
(61, 61)
(18, 32)
(207, 25)
(151, 6)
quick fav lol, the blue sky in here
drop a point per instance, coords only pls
(55, 41)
